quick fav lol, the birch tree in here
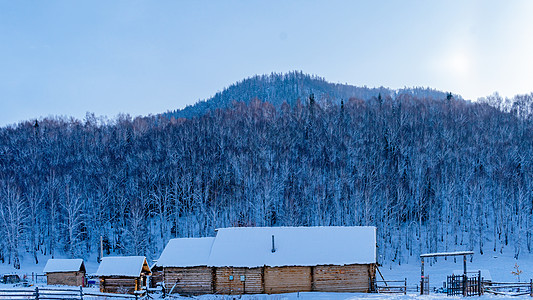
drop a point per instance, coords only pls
(13, 216)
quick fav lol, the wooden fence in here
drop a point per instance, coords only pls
(476, 286)
(391, 286)
(64, 293)
(509, 288)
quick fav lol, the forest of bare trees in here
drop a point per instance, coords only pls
(431, 174)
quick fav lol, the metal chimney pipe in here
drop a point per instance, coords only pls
(273, 246)
(101, 249)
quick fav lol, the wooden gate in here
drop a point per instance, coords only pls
(457, 285)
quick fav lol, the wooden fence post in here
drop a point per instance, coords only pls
(36, 293)
(479, 283)
(465, 283)
(421, 276)
(405, 286)
(531, 287)
(81, 293)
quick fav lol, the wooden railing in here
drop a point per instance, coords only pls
(391, 286)
(509, 288)
(64, 293)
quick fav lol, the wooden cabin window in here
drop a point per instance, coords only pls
(231, 277)
(243, 278)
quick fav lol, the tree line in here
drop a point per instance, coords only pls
(431, 174)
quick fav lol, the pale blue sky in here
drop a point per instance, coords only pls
(142, 57)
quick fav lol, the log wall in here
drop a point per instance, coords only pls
(120, 285)
(271, 280)
(157, 277)
(350, 278)
(229, 281)
(287, 279)
(66, 278)
(189, 281)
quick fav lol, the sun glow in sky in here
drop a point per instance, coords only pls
(142, 57)
(459, 64)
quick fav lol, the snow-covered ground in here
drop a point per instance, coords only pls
(310, 296)
(288, 296)
(28, 265)
(344, 296)
(499, 265)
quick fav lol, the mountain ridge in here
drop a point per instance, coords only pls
(277, 88)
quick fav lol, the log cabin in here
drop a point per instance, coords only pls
(184, 266)
(156, 277)
(123, 274)
(255, 260)
(65, 272)
(272, 260)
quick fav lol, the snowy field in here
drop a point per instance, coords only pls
(289, 296)
(499, 265)
(346, 296)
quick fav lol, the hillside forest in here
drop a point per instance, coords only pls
(433, 174)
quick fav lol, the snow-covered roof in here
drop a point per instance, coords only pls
(127, 266)
(294, 246)
(186, 252)
(64, 265)
(456, 253)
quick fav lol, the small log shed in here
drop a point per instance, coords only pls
(184, 264)
(65, 272)
(123, 274)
